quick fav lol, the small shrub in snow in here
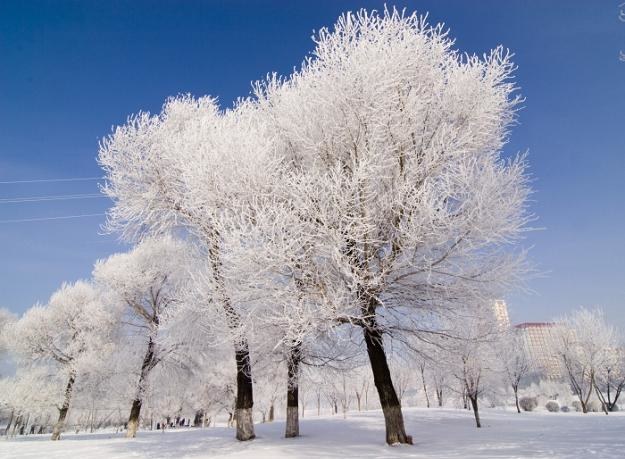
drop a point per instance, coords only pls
(552, 406)
(565, 409)
(577, 406)
(594, 406)
(528, 403)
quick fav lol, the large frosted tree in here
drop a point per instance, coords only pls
(374, 175)
(194, 168)
(394, 142)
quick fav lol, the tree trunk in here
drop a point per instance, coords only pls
(245, 396)
(476, 411)
(292, 416)
(271, 413)
(516, 398)
(393, 418)
(133, 420)
(60, 424)
(6, 430)
(425, 388)
(292, 394)
(135, 410)
(318, 404)
(16, 423)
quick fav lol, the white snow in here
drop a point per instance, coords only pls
(438, 433)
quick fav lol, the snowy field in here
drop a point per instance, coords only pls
(437, 433)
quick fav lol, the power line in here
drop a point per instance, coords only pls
(51, 198)
(41, 219)
(74, 179)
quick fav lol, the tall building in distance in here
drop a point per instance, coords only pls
(538, 338)
(500, 310)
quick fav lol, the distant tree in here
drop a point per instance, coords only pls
(584, 344)
(610, 380)
(514, 361)
(6, 319)
(149, 281)
(71, 329)
(472, 354)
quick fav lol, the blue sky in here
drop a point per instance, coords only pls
(69, 70)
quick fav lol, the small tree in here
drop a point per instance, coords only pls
(610, 379)
(514, 360)
(71, 329)
(149, 281)
(422, 364)
(585, 344)
(7, 318)
(472, 353)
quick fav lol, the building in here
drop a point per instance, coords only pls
(538, 338)
(501, 314)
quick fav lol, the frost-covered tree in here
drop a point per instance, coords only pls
(149, 282)
(393, 139)
(610, 380)
(196, 168)
(286, 288)
(471, 350)
(6, 319)
(68, 331)
(29, 395)
(514, 360)
(584, 343)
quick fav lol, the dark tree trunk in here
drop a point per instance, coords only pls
(133, 419)
(476, 411)
(243, 415)
(292, 394)
(135, 410)
(516, 398)
(60, 423)
(6, 430)
(271, 413)
(425, 387)
(393, 418)
(439, 396)
(245, 395)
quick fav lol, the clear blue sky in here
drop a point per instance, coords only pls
(69, 70)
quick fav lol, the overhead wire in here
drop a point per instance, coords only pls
(71, 179)
(51, 198)
(48, 198)
(42, 219)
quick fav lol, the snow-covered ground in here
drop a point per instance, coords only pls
(438, 433)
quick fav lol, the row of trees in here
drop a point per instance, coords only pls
(359, 203)
(115, 374)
